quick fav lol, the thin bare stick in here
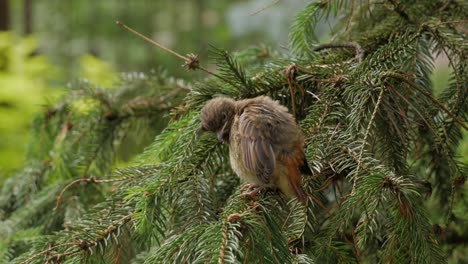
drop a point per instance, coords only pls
(151, 41)
(264, 8)
(191, 60)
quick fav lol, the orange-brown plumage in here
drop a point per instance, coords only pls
(265, 144)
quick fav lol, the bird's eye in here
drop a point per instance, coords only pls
(224, 116)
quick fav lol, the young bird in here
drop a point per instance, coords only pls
(265, 144)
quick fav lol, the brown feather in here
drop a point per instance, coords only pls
(295, 179)
(265, 144)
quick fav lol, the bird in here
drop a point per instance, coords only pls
(265, 143)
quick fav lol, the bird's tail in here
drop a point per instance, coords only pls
(295, 180)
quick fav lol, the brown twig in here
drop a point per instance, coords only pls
(48, 250)
(151, 41)
(191, 60)
(290, 72)
(356, 247)
(222, 249)
(119, 252)
(264, 8)
(58, 257)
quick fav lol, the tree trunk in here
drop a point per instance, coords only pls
(27, 16)
(4, 15)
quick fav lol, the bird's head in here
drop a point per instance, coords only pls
(217, 116)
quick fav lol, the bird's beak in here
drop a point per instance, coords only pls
(223, 134)
(219, 135)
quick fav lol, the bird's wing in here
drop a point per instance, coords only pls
(255, 125)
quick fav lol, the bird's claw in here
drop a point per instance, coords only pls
(250, 190)
(248, 186)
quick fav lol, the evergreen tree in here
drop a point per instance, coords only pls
(387, 186)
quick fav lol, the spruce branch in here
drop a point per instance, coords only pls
(232, 71)
(402, 77)
(46, 251)
(425, 119)
(398, 9)
(91, 179)
(359, 51)
(222, 248)
(302, 29)
(364, 141)
(81, 245)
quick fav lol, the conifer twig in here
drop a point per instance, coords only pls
(191, 60)
(222, 249)
(84, 179)
(45, 251)
(397, 8)
(82, 244)
(58, 257)
(351, 45)
(371, 122)
(437, 102)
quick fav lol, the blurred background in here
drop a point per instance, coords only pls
(44, 44)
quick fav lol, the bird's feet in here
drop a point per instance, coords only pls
(251, 190)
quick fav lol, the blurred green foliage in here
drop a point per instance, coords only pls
(97, 71)
(24, 82)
